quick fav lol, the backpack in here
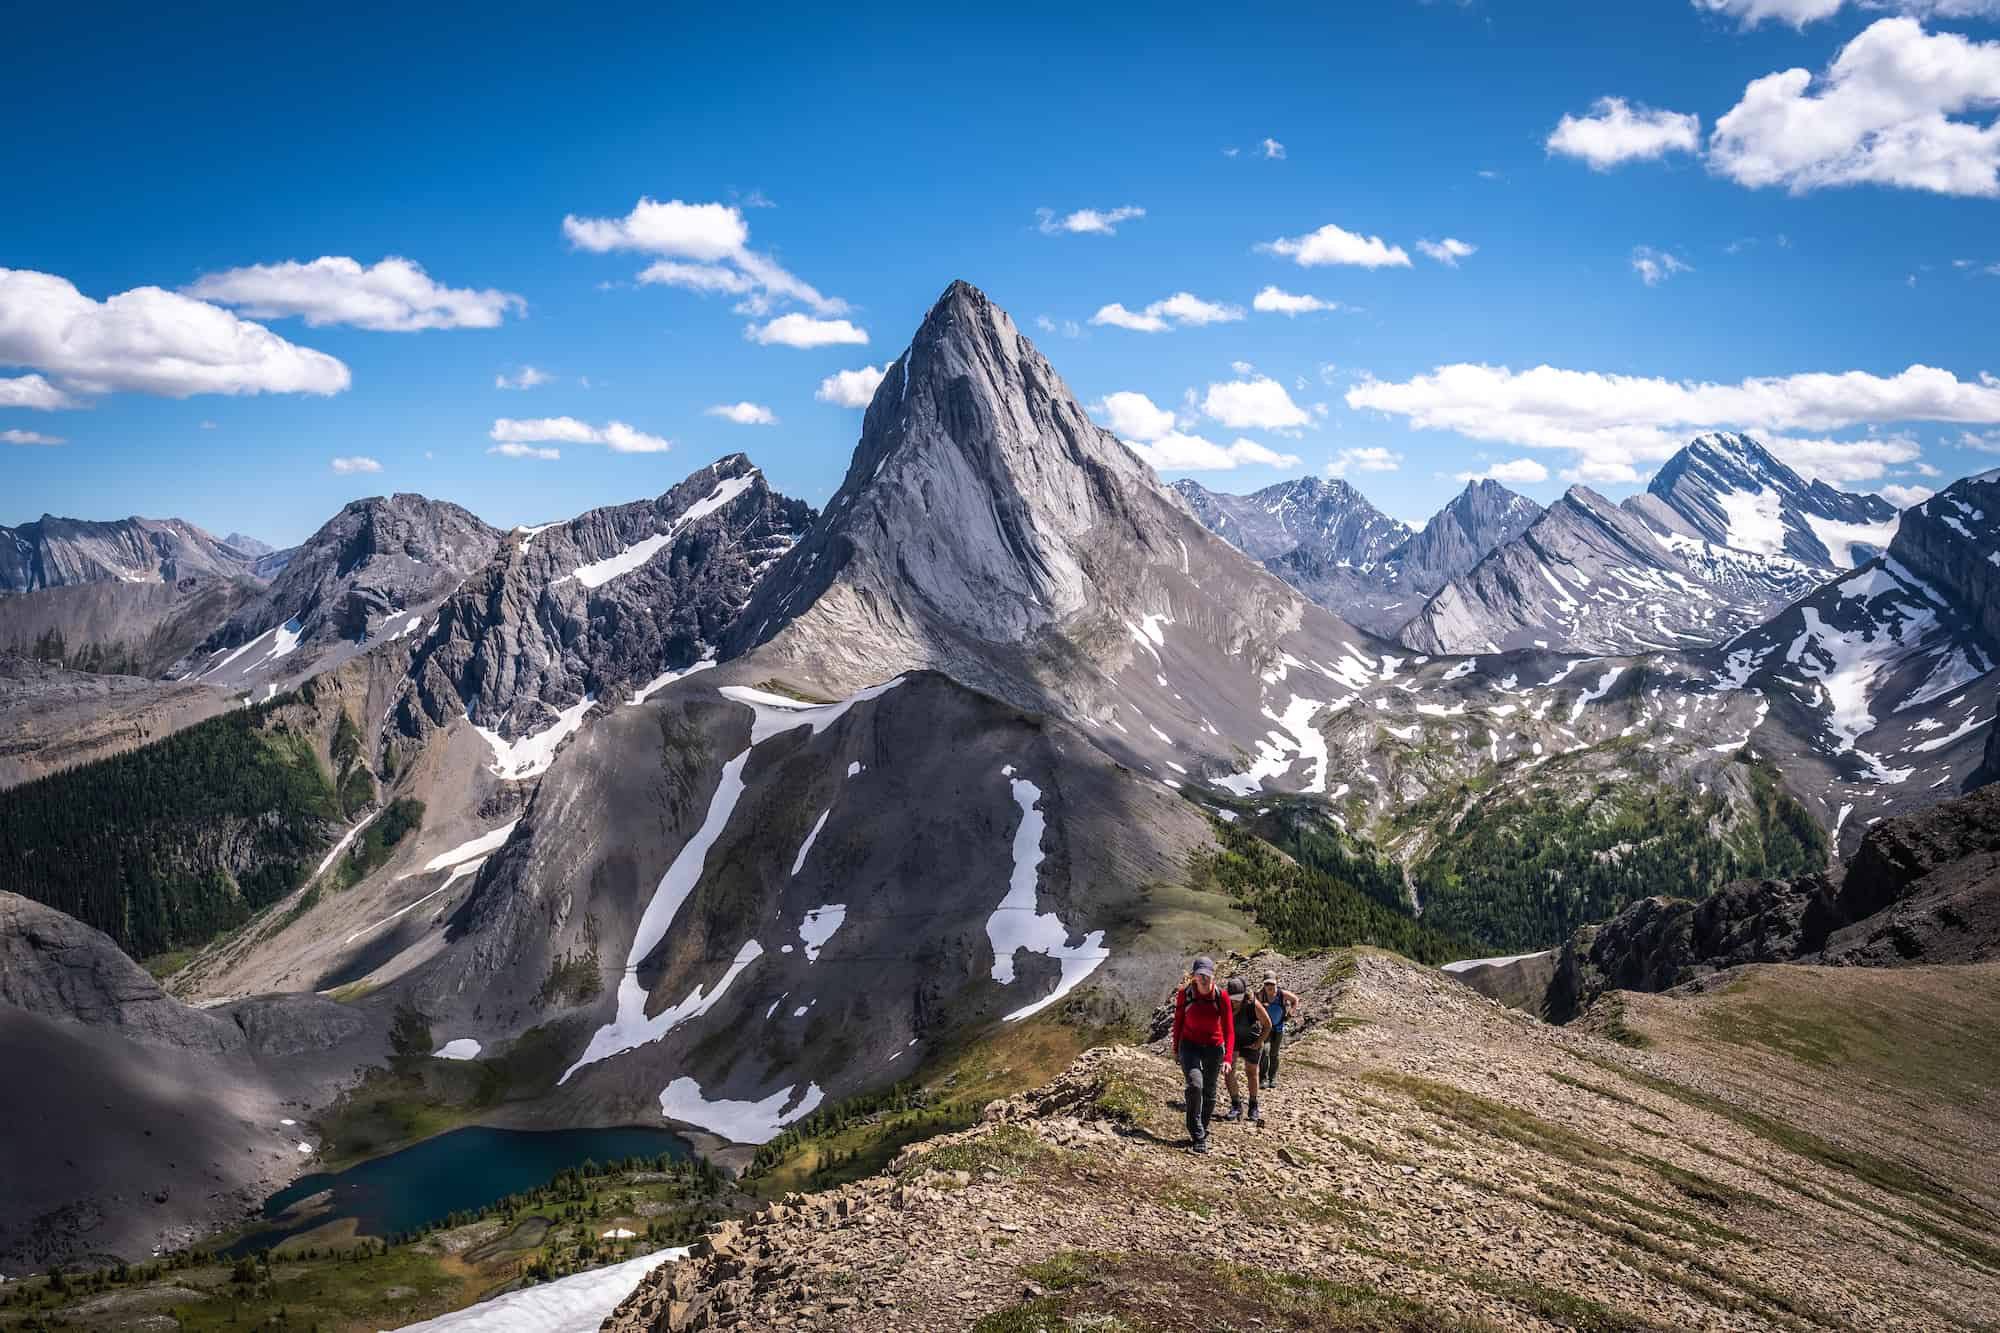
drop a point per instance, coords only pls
(1215, 997)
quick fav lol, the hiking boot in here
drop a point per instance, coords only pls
(1256, 1116)
(1201, 1145)
(1235, 1112)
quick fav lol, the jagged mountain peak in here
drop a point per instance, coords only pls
(1730, 490)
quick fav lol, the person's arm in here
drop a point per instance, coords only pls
(1229, 1035)
(1291, 1002)
(1263, 1021)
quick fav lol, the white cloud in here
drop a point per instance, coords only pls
(1986, 442)
(614, 435)
(1086, 221)
(526, 378)
(796, 330)
(744, 414)
(1258, 403)
(1882, 114)
(32, 391)
(356, 463)
(1904, 496)
(1799, 13)
(1271, 148)
(1134, 416)
(851, 388)
(1373, 458)
(1277, 301)
(208, 425)
(717, 241)
(1447, 251)
(29, 437)
(146, 340)
(1656, 266)
(1518, 470)
(1190, 453)
(1615, 132)
(1612, 423)
(1069, 328)
(392, 296)
(522, 451)
(1181, 309)
(1332, 245)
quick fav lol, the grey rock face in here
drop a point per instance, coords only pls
(55, 966)
(56, 552)
(610, 599)
(375, 559)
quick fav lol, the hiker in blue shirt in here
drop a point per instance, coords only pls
(1278, 1003)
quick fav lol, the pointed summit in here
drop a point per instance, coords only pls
(983, 511)
(1731, 491)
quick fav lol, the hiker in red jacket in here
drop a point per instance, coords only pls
(1204, 1043)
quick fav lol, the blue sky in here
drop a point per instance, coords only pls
(869, 160)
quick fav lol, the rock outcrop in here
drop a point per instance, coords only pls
(56, 552)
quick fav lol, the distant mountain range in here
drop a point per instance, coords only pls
(1724, 536)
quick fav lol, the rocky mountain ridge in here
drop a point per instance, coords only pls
(53, 552)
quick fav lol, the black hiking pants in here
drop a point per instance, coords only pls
(1267, 1068)
(1201, 1070)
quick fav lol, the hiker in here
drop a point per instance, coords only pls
(1249, 1026)
(1204, 1043)
(1277, 1002)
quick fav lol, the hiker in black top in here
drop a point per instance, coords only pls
(1279, 1004)
(1252, 1026)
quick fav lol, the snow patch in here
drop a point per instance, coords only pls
(1016, 925)
(600, 572)
(799, 861)
(579, 1303)
(739, 1122)
(458, 1048)
(530, 757)
(818, 928)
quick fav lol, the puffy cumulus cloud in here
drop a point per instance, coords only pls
(1372, 458)
(514, 450)
(744, 414)
(1615, 132)
(146, 340)
(796, 330)
(851, 388)
(1134, 416)
(1612, 424)
(1175, 452)
(355, 463)
(1904, 496)
(1333, 245)
(29, 437)
(614, 435)
(1271, 148)
(1258, 403)
(703, 248)
(32, 391)
(526, 378)
(1086, 221)
(1180, 309)
(1656, 266)
(1799, 13)
(1277, 301)
(1895, 108)
(392, 296)
(1517, 470)
(1448, 251)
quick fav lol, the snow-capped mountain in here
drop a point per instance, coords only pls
(1352, 559)
(56, 552)
(1327, 518)
(1725, 536)
(1732, 493)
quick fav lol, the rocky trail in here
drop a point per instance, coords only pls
(1429, 1160)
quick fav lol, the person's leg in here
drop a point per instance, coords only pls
(1270, 1069)
(1197, 1088)
(1211, 1067)
(1235, 1081)
(1252, 1064)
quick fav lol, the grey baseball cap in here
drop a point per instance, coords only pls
(1237, 986)
(1203, 967)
